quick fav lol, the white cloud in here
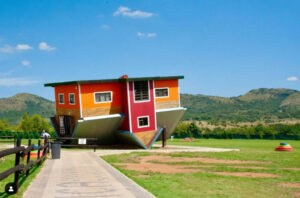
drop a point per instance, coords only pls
(292, 78)
(45, 47)
(146, 35)
(20, 47)
(7, 49)
(23, 47)
(7, 73)
(105, 27)
(125, 11)
(25, 62)
(19, 81)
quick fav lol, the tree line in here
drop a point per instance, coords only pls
(35, 123)
(274, 131)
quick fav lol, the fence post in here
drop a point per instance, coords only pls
(45, 148)
(164, 138)
(28, 157)
(38, 154)
(17, 162)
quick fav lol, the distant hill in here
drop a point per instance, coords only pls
(14, 107)
(258, 104)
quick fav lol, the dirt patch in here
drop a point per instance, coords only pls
(248, 174)
(161, 158)
(188, 139)
(142, 176)
(294, 185)
(297, 194)
(297, 169)
(160, 168)
(249, 167)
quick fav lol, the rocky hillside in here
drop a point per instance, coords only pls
(14, 107)
(258, 104)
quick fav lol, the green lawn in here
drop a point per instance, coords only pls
(207, 184)
(9, 162)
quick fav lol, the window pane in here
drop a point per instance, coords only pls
(141, 90)
(72, 99)
(161, 92)
(143, 121)
(103, 97)
(61, 98)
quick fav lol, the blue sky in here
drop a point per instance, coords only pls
(223, 48)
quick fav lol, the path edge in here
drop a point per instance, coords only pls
(128, 183)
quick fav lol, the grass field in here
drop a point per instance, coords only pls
(9, 162)
(203, 179)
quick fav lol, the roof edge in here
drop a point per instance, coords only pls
(112, 80)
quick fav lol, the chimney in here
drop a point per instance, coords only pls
(124, 76)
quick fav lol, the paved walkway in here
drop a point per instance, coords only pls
(82, 174)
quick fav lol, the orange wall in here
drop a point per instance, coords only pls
(173, 89)
(66, 89)
(88, 90)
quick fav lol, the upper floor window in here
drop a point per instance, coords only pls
(162, 92)
(141, 90)
(101, 97)
(61, 99)
(143, 121)
(71, 98)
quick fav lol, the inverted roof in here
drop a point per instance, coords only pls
(112, 80)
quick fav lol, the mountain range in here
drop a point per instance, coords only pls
(256, 105)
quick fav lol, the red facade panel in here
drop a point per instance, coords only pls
(125, 125)
(140, 109)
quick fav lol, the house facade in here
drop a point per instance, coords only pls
(128, 110)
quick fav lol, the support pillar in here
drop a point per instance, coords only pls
(164, 138)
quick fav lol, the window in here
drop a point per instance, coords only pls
(61, 99)
(141, 90)
(101, 97)
(143, 121)
(71, 98)
(162, 92)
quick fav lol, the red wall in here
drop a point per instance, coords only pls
(66, 89)
(142, 109)
(125, 125)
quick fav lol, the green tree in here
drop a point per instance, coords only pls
(25, 124)
(3, 125)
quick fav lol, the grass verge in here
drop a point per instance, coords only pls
(207, 184)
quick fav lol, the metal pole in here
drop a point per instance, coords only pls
(28, 157)
(17, 162)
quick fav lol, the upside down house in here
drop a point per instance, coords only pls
(128, 110)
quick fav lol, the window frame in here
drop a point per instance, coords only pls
(139, 101)
(148, 118)
(74, 99)
(111, 97)
(63, 95)
(162, 96)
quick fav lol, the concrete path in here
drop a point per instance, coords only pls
(169, 149)
(82, 174)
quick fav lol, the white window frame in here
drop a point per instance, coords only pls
(61, 94)
(74, 99)
(139, 101)
(162, 96)
(139, 122)
(111, 97)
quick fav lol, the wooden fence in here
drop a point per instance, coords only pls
(18, 169)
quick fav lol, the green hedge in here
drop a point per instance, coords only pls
(276, 131)
(25, 135)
